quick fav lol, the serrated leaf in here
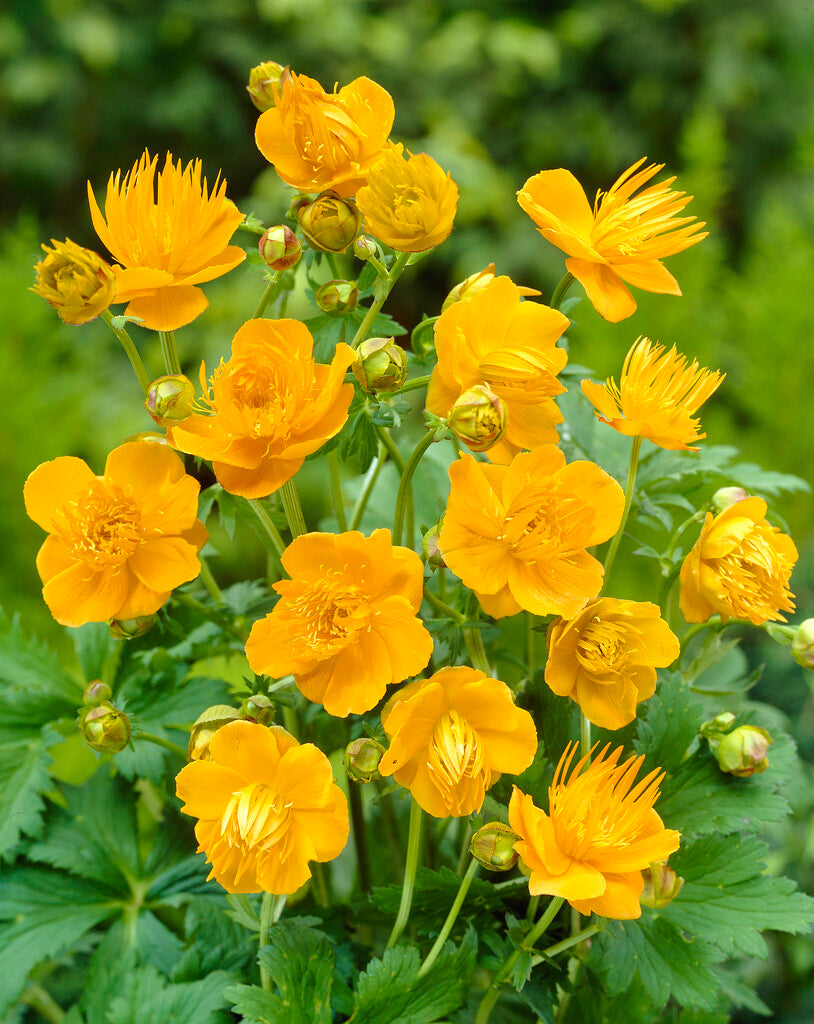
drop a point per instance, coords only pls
(94, 645)
(434, 894)
(23, 779)
(149, 999)
(669, 724)
(359, 439)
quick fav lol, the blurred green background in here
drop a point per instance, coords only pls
(723, 93)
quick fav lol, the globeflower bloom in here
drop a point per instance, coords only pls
(318, 141)
(622, 239)
(75, 281)
(739, 567)
(517, 534)
(408, 202)
(346, 625)
(599, 834)
(605, 659)
(451, 736)
(657, 396)
(271, 406)
(496, 338)
(169, 236)
(120, 543)
(267, 805)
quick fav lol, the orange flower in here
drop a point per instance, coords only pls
(408, 202)
(451, 736)
(77, 282)
(346, 624)
(166, 244)
(120, 543)
(740, 567)
(623, 239)
(319, 141)
(498, 339)
(605, 659)
(272, 406)
(267, 805)
(657, 396)
(599, 834)
(517, 534)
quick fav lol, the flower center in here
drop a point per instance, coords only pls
(256, 824)
(603, 647)
(540, 525)
(457, 764)
(103, 527)
(754, 577)
(331, 613)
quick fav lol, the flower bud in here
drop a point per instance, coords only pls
(264, 81)
(479, 418)
(95, 693)
(802, 646)
(147, 435)
(726, 496)
(713, 727)
(204, 728)
(280, 248)
(430, 549)
(661, 885)
(129, 629)
(329, 223)
(258, 708)
(380, 365)
(364, 247)
(337, 297)
(362, 758)
(170, 399)
(493, 846)
(105, 728)
(75, 281)
(742, 752)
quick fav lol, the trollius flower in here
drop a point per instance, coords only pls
(346, 625)
(623, 239)
(657, 396)
(451, 736)
(267, 805)
(169, 236)
(599, 833)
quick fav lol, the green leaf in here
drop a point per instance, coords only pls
(669, 724)
(94, 645)
(359, 439)
(23, 779)
(434, 894)
(148, 999)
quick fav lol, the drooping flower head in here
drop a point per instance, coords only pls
(318, 141)
(606, 657)
(346, 625)
(75, 281)
(451, 736)
(120, 543)
(408, 201)
(657, 396)
(499, 339)
(267, 805)
(740, 567)
(599, 833)
(271, 406)
(169, 236)
(622, 239)
(517, 535)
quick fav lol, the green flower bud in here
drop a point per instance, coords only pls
(726, 496)
(147, 435)
(95, 693)
(429, 547)
(380, 365)
(721, 723)
(204, 728)
(264, 81)
(329, 223)
(802, 646)
(364, 247)
(362, 758)
(479, 418)
(742, 752)
(170, 399)
(661, 885)
(337, 297)
(105, 728)
(129, 629)
(493, 846)
(258, 708)
(280, 248)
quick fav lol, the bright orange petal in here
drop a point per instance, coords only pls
(77, 595)
(164, 563)
(169, 308)
(608, 295)
(54, 484)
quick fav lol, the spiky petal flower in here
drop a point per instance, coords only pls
(599, 833)
(657, 396)
(169, 236)
(622, 239)
(267, 805)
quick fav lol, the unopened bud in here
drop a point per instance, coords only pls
(264, 81)
(280, 248)
(337, 297)
(724, 497)
(713, 727)
(802, 646)
(170, 399)
(95, 693)
(329, 223)
(661, 885)
(493, 846)
(380, 365)
(77, 282)
(258, 708)
(105, 728)
(364, 247)
(742, 752)
(362, 758)
(129, 629)
(479, 418)
(204, 728)
(430, 549)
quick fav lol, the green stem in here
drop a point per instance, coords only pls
(390, 446)
(270, 533)
(466, 847)
(631, 482)
(584, 736)
(561, 290)
(210, 582)
(336, 487)
(699, 627)
(266, 913)
(452, 916)
(333, 263)
(393, 275)
(561, 947)
(473, 638)
(367, 489)
(439, 605)
(131, 352)
(405, 486)
(413, 847)
(212, 616)
(293, 509)
(43, 1003)
(531, 910)
(357, 817)
(696, 517)
(171, 361)
(267, 295)
(412, 385)
(531, 661)
(320, 885)
(159, 741)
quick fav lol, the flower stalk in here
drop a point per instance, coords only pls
(410, 868)
(635, 448)
(130, 351)
(451, 918)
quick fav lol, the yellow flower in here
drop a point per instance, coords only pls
(476, 283)
(169, 236)
(451, 736)
(318, 141)
(606, 657)
(657, 396)
(267, 805)
(622, 239)
(77, 282)
(408, 203)
(600, 833)
(740, 567)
